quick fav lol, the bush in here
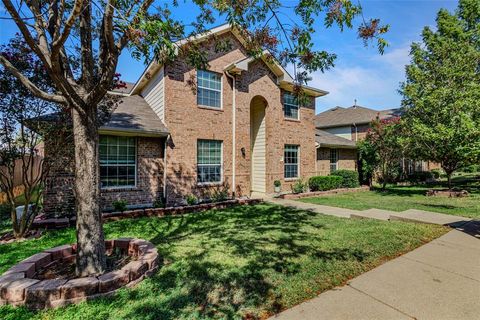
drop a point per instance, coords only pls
(422, 176)
(219, 194)
(323, 183)
(350, 178)
(299, 186)
(471, 169)
(158, 203)
(120, 205)
(277, 183)
(436, 173)
(191, 200)
(5, 211)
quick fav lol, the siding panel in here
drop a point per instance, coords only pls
(154, 94)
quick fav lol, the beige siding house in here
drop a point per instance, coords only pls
(240, 129)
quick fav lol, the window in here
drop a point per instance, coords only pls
(290, 106)
(209, 161)
(117, 161)
(333, 159)
(291, 161)
(209, 89)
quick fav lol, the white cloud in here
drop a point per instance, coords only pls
(396, 58)
(370, 86)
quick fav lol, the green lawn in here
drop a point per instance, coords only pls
(413, 197)
(247, 261)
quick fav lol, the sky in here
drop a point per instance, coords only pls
(360, 72)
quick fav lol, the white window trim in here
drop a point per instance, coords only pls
(221, 92)
(298, 163)
(330, 159)
(221, 166)
(136, 171)
(298, 108)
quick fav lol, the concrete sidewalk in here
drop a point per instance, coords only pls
(440, 280)
(410, 215)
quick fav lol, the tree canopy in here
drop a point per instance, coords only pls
(441, 95)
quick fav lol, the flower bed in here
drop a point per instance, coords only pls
(323, 193)
(22, 284)
(59, 223)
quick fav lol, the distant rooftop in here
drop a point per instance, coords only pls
(340, 116)
(127, 89)
(328, 140)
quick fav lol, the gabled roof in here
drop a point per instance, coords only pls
(285, 81)
(326, 139)
(340, 116)
(134, 116)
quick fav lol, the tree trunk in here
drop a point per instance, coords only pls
(449, 180)
(91, 259)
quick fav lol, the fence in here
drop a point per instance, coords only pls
(35, 170)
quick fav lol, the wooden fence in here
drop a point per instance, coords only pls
(35, 170)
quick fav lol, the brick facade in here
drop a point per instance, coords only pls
(59, 199)
(205, 123)
(347, 160)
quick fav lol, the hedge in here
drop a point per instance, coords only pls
(350, 178)
(323, 183)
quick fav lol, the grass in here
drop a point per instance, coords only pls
(242, 262)
(5, 219)
(398, 198)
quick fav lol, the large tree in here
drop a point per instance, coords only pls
(442, 92)
(94, 34)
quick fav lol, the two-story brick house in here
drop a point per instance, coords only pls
(239, 128)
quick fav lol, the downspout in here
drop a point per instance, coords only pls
(356, 132)
(165, 169)
(234, 144)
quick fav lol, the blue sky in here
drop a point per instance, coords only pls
(360, 73)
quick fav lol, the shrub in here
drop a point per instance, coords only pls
(299, 186)
(120, 205)
(277, 183)
(350, 178)
(422, 176)
(5, 211)
(158, 203)
(191, 200)
(219, 194)
(471, 169)
(436, 173)
(323, 183)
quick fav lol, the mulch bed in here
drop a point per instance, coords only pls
(9, 237)
(65, 269)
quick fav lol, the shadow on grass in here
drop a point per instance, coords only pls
(266, 240)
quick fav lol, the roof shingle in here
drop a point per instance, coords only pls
(326, 139)
(339, 116)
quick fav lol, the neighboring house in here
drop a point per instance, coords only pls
(349, 125)
(241, 129)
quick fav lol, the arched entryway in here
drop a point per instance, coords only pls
(258, 141)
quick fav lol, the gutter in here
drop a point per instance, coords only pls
(234, 144)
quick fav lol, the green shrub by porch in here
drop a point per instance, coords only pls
(323, 183)
(350, 178)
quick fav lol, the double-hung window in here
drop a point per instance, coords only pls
(333, 160)
(291, 161)
(290, 106)
(118, 161)
(209, 89)
(209, 161)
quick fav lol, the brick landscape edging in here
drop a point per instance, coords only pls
(60, 223)
(323, 193)
(18, 285)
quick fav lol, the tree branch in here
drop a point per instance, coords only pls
(30, 85)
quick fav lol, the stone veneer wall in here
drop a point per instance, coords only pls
(59, 199)
(188, 122)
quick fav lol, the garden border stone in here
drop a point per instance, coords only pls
(20, 286)
(60, 223)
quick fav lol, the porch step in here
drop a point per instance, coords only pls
(378, 214)
(415, 215)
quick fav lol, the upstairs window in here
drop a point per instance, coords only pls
(290, 106)
(291, 161)
(118, 161)
(209, 161)
(209, 89)
(333, 160)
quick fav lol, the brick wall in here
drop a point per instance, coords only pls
(59, 199)
(347, 160)
(181, 104)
